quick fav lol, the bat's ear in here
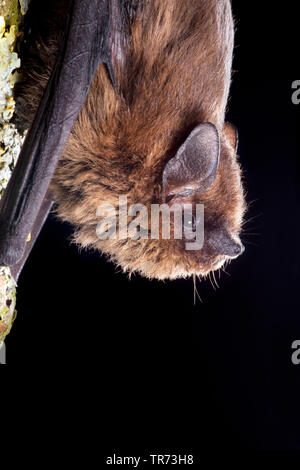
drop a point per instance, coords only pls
(195, 165)
(232, 135)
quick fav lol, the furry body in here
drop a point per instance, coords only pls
(172, 70)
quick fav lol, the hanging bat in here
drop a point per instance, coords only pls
(129, 99)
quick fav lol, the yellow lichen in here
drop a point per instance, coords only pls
(7, 302)
(9, 61)
(11, 10)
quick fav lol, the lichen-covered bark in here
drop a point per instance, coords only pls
(7, 302)
(11, 12)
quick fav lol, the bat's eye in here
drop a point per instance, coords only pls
(189, 222)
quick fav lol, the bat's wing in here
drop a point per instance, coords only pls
(45, 207)
(92, 37)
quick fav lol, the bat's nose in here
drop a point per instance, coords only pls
(234, 249)
(223, 243)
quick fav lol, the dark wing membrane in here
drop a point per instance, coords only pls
(46, 205)
(86, 44)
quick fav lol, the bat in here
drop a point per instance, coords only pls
(127, 98)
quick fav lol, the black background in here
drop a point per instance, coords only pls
(171, 375)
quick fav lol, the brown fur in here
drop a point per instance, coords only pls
(175, 73)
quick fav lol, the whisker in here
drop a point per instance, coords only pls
(251, 243)
(217, 285)
(196, 293)
(250, 203)
(247, 221)
(211, 281)
(224, 268)
(251, 234)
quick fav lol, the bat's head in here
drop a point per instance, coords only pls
(199, 181)
(200, 185)
(204, 177)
